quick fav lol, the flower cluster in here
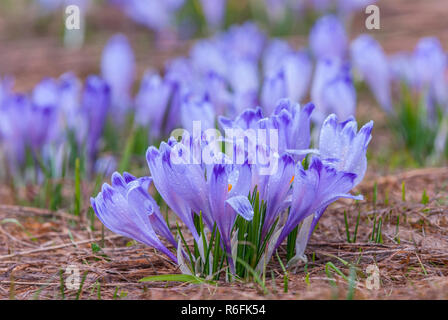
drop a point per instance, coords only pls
(412, 88)
(59, 113)
(221, 193)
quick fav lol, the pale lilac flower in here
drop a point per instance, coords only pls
(118, 70)
(95, 107)
(328, 38)
(128, 209)
(229, 187)
(274, 89)
(196, 108)
(151, 103)
(370, 60)
(332, 90)
(214, 11)
(313, 190)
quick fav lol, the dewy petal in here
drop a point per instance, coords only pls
(242, 206)
(168, 185)
(139, 199)
(117, 215)
(278, 186)
(344, 146)
(313, 190)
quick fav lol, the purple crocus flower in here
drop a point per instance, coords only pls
(207, 56)
(229, 187)
(244, 41)
(127, 208)
(274, 89)
(154, 14)
(44, 110)
(370, 60)
(214, 11)
(244, 81)
(347, 7)
(313, 190)
(294, 126)
(332, 90)
(197, 109)
(288, 76)
(430, 60)
(430, 63)
(248, 119)
(273, 55)
(274, 190)
(118, 70)
(341, 146)
(14, 122)
(328, 38)
(95, 106)
(151, 103)
(70, 88)
(184, 196)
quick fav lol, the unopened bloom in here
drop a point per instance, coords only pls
(214, 11)
(328, 38)
(126, 208)
(151, 103)
(118, 70)
(370, 60)
(333, 90)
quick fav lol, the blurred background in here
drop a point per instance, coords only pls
(32, 32)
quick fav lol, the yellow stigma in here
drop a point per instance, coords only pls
(229, 187)
(292, 179)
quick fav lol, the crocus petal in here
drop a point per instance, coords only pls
(242, 206)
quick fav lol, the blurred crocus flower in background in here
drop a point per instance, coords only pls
(154, 14)
(371, 62)
(333, 90)
(214, 12)
(118, 70)
(198, 109)
(328, 38)
(151, 103)
(95, 107)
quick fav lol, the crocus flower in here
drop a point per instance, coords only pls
(274, 89)
(244, 41)
(243, 79)
(151, 102)
(430, 60)
(294, 126)
(127, 208)
(45, 113)
(14, 122)
(95, 106)
(229, 187)
(214, 11)
(328, 38)
(197, 109)
(273, 55)
(332, 90)
(118, 70)
(370, 60)
(153, 14)
(182, 195)
(313, 190)
(341, 146)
